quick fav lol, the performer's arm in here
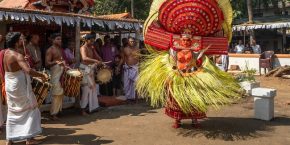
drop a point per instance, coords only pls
(22, 63)
(48, 59)
(122, 54)
(86, 58)
(98, 56)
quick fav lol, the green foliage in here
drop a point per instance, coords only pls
(247, 75)
(104, 7)
(240, 6)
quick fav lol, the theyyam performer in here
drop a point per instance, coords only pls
(179, 35)
(23, 117)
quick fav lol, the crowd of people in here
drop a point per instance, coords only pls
(252, 48)
(22, 59)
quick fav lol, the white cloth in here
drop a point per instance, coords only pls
(23, 119)
(224, 63)
(89, 89)
(57, 90)
(240, 48)
(256, 49)
(56, 73)
(130, 78)
(1, 113)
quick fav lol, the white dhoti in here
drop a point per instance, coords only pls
(90, 90)
(1, 113)
(23, 118)
(224, 63)
(130, 77)
(57, 90)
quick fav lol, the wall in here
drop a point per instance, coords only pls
(253, 60)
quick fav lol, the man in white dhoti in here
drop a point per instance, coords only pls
(222, 62)
(23, 117)
(54, 61)
(131, 60)
(90, 60)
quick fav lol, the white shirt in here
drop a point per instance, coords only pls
(256, 49)
(240, 48)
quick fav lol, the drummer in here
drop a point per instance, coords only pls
(90, 60)
(54, 61)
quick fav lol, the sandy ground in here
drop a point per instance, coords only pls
(142, 125)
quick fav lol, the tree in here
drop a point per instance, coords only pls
(250, 11)
(141, 7)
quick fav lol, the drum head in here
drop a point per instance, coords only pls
(74, 72)
(104, 75)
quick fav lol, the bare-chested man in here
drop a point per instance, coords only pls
(131, 60)
(90, 59)
(54, 61)
(23, 118)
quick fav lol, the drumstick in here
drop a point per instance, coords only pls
(107, 62)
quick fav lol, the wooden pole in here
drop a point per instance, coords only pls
(284, 40)
(77, 51)
(132, 8)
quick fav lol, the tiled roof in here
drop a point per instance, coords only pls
(117, 16)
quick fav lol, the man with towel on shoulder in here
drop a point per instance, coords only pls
(23, 117)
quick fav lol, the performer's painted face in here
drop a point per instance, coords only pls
(186, 42)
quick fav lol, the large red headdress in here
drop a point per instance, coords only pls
(198, 17)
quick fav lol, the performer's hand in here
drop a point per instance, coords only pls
(44, 77)
(26, 57)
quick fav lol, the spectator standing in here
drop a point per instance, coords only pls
(34, 51)
(117, 76)
(108, 52)
(69, 53)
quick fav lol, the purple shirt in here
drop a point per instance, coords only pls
(109, 52)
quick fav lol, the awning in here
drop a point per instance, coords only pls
(69, 19)
(277, 25)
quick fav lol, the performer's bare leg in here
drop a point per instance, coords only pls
(176, 124)
(195, 123)
(84, 113)
(32, 141)
(54, 117)
(9, 142)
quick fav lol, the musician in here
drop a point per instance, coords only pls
(34, 51)
(90, 59)
(54, 61)
(131, 60)
(23, 118)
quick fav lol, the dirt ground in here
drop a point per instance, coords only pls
(142, 125)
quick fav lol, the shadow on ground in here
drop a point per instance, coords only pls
(66, 136)
(232, 129)
(68, 116)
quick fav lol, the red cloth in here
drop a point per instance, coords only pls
(2, 75)
(30, 60)
(173, 110)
